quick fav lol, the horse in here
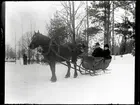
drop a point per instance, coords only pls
(54, 53)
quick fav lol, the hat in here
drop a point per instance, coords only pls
(106, 45)
(97, 44)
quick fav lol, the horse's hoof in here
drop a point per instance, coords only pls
(53, 79)
(75, 76)
(67, 76)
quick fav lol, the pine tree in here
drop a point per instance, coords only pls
(57, 30)
(100, 14)
(124, 30)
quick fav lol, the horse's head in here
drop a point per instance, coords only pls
(35, 40)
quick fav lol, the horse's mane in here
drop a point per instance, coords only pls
(44, 37)
(48, 39)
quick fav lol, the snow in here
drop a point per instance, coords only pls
(31, 84)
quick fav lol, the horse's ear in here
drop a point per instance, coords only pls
(38, 31)
(34, 32)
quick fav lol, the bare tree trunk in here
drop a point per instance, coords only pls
(73, 22)
(29, 51)
(105, 24)
(113, 30)
(15, 48)
(22, 41)
(69, 16)
(70, 23)
(87, 26)
(107, 33)
(113, 50)
(108, 23)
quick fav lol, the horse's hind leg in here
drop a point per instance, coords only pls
(52, 67)
(68, 72)
(75, 70)
(103, 70)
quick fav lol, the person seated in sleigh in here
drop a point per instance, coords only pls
(98, 52)
(106, 52)
(100, 58)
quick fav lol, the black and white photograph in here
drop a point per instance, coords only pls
(69, 52)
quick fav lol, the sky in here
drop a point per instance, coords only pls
(23, 14)
(31, 15)
(26, 16)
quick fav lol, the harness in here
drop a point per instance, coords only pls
(50, 44)
(50, 47)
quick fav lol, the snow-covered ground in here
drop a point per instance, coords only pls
(31, 84)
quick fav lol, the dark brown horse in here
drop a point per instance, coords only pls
(53, 52)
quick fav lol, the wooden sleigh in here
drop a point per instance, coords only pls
(92, 64)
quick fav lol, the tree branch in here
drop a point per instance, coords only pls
(80, 22)
(80, 5)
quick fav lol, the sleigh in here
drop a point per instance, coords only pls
(92, 64)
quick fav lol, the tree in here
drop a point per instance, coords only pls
(113, 41)
(72, 18)
(57, 30)
(99, 12)
(124, 29)
(102, 15)
(24, 42)
(129, 7)
(7, 48)
(92, 31)
(10, 52)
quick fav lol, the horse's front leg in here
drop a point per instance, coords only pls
(68, 72)
(75, 70)
(52, 67)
